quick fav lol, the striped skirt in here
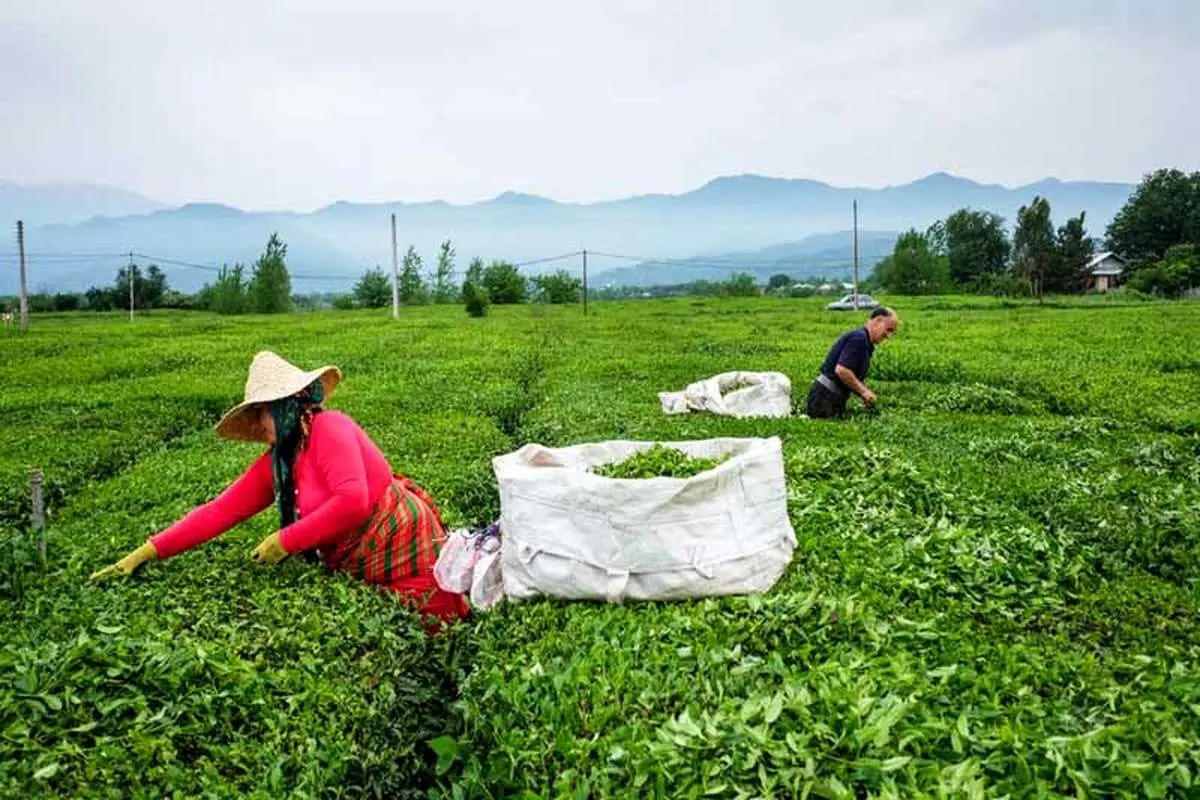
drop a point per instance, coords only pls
(396, 549)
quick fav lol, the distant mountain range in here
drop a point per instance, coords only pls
(77, 234)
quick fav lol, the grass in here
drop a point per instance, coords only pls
(994, 593)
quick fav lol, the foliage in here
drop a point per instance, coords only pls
(373, 289)
(344, 302)
(557, 287)
(504, 283)
(475, 297)
(270, 287)
(912, 268)
(658, 461)
(1177, 273)
(740, 285)
(976, 245)
(780, 281)
(1035, 251)
(1163, 211)
(993, 593)
(443, 277)
(149, 290)
(229, 294)
(1075, 249)
(411, 286)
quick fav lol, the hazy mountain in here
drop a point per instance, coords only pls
(822, 255)
(737, 215)
(46, 204)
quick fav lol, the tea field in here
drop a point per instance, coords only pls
(994, 595)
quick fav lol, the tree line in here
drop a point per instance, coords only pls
(1156, 232)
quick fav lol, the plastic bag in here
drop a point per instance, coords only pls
(456, 563)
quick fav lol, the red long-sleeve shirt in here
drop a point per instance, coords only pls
(338, 476)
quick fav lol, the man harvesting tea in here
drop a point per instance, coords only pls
(846, 366)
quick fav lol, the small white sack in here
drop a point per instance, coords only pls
(573, 534)
(487, 586)
(734, 394)
(455, 564)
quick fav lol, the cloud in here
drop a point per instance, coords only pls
(268, 106)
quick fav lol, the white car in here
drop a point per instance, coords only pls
(847, 303)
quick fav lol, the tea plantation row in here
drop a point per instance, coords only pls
(994, 592)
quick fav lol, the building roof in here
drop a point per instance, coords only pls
(1103, 264)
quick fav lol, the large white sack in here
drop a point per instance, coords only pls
(572, 534)
(757, 394)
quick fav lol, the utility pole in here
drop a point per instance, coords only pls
(856, 255)
(395, 274)
(24, 293)
(131, 287)
(585, 283)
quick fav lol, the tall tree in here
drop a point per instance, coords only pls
(411, 286)
(475, 296)
(557, 287)
(228, 294)
(1075, 249)
(373, 289)
(444, 290)
(1035, 249)
(505, 284)
(976, 246)
(1163, 211)
(912, 268)
(270, 289)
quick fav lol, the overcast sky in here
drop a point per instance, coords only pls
(320, 100)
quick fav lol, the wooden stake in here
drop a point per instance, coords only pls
(39, 513)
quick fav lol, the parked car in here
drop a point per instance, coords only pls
(847, 303)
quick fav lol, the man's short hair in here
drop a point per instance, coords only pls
(882, 311)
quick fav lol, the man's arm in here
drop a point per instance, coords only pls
(848, 377)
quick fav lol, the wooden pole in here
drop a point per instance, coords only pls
(24, 291)
(395, 274)
(855, 255)
(131, 287)
(585, 288)
(39, 512)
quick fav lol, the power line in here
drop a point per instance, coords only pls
(562, 257)
(171, 262)
(736, 263)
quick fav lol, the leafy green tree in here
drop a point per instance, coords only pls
(1177, 273)
(1035, 249)
(557, 287)
(270, 289)
(912, 268)
(373, 289)
(740, 285)
(410, 285)
(1163, 211)
(475, 296)
(150, 291)
(443, 276)
(1075, 249)
(975, 246)
(505, 284)
(779, 281)
(228, 294)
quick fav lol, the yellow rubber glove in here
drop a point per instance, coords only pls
(129, 564)
(270, 550)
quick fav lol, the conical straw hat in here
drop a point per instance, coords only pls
(270, 378)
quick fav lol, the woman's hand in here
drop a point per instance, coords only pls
(129, 564)
(270, 550)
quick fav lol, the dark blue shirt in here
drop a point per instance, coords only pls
(852, 350)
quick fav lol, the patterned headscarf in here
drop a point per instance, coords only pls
(293, 422)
